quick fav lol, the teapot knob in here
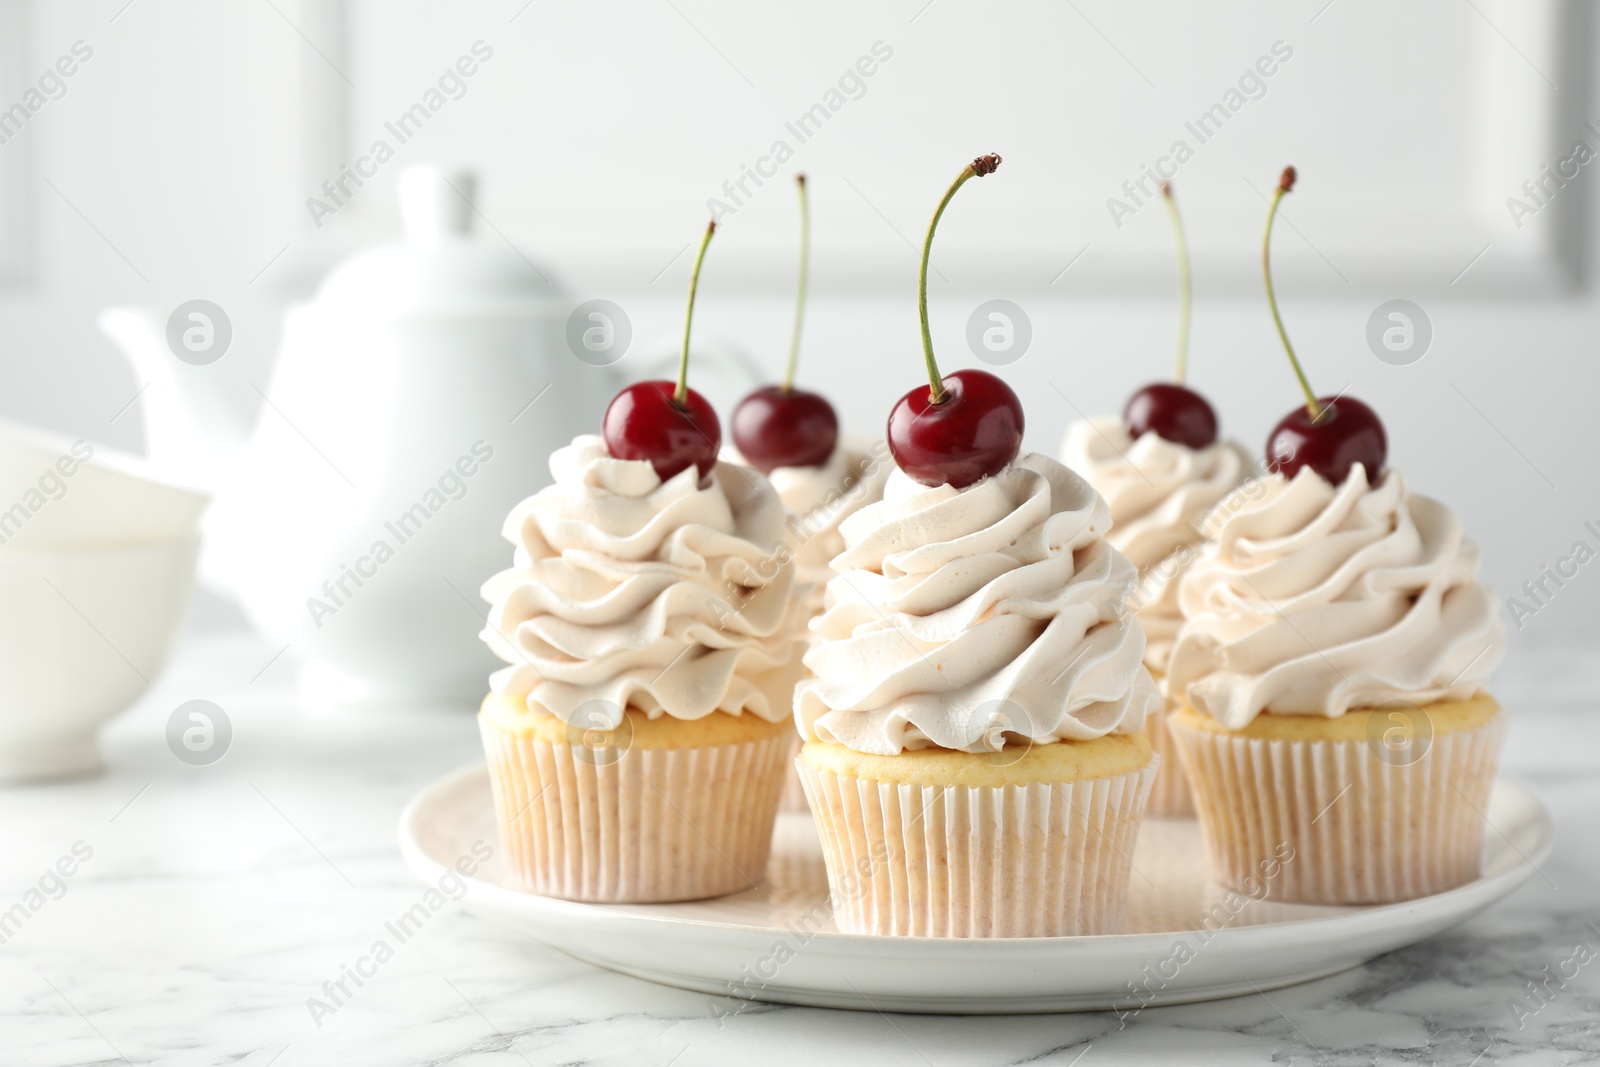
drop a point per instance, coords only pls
(436, 203)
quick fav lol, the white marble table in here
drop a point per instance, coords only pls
(218, 899)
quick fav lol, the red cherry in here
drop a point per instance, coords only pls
(1173, 413)
(667, 424)
(776, 427)
(779, 425)
(1346, 433)
(973, 434)
(1328, 434)
(959, 427)
(644, 422)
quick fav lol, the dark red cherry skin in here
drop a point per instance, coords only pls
(1172, 413)
(973, 434)
(1347, 433)
(774, 427)
(644, 422)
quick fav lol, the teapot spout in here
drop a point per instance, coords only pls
(192, 425)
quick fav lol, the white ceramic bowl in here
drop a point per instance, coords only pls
(83, 631)
(56, 491)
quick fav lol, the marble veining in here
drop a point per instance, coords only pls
(216, 901)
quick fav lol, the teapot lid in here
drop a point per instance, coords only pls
(440, 267)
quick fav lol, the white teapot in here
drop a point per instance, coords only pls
(414, 401)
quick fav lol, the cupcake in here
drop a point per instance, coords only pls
(792, 436)
(638, 740)
(1333, 666)
(973, 719)
(816, 500)
(1159, 492)
(1161, 469)
(639, 736)
(1333, 661)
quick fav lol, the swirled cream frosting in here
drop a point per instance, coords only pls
(1314, 599)
(819, 499)
(970, 618)
(671, 597)
(1159, 493)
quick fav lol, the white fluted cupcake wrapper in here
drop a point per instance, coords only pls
(794, 792)
(652, 826)
(1036, 860)
(1332, 823)
(1170, 797)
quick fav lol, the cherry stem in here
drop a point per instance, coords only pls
(800, 300)
(1185, 290)
(976, 169)
(680, 395)
(1285, 183)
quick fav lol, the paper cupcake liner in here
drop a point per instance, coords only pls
(653, 826)
(1171, 796)
(794, 794)
(1038, 860)
(794, 791)
(1328, 822)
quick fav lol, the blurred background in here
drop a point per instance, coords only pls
(197, 152)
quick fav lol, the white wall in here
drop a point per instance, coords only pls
(178, 163)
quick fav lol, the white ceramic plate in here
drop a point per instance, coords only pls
(1178, 947)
